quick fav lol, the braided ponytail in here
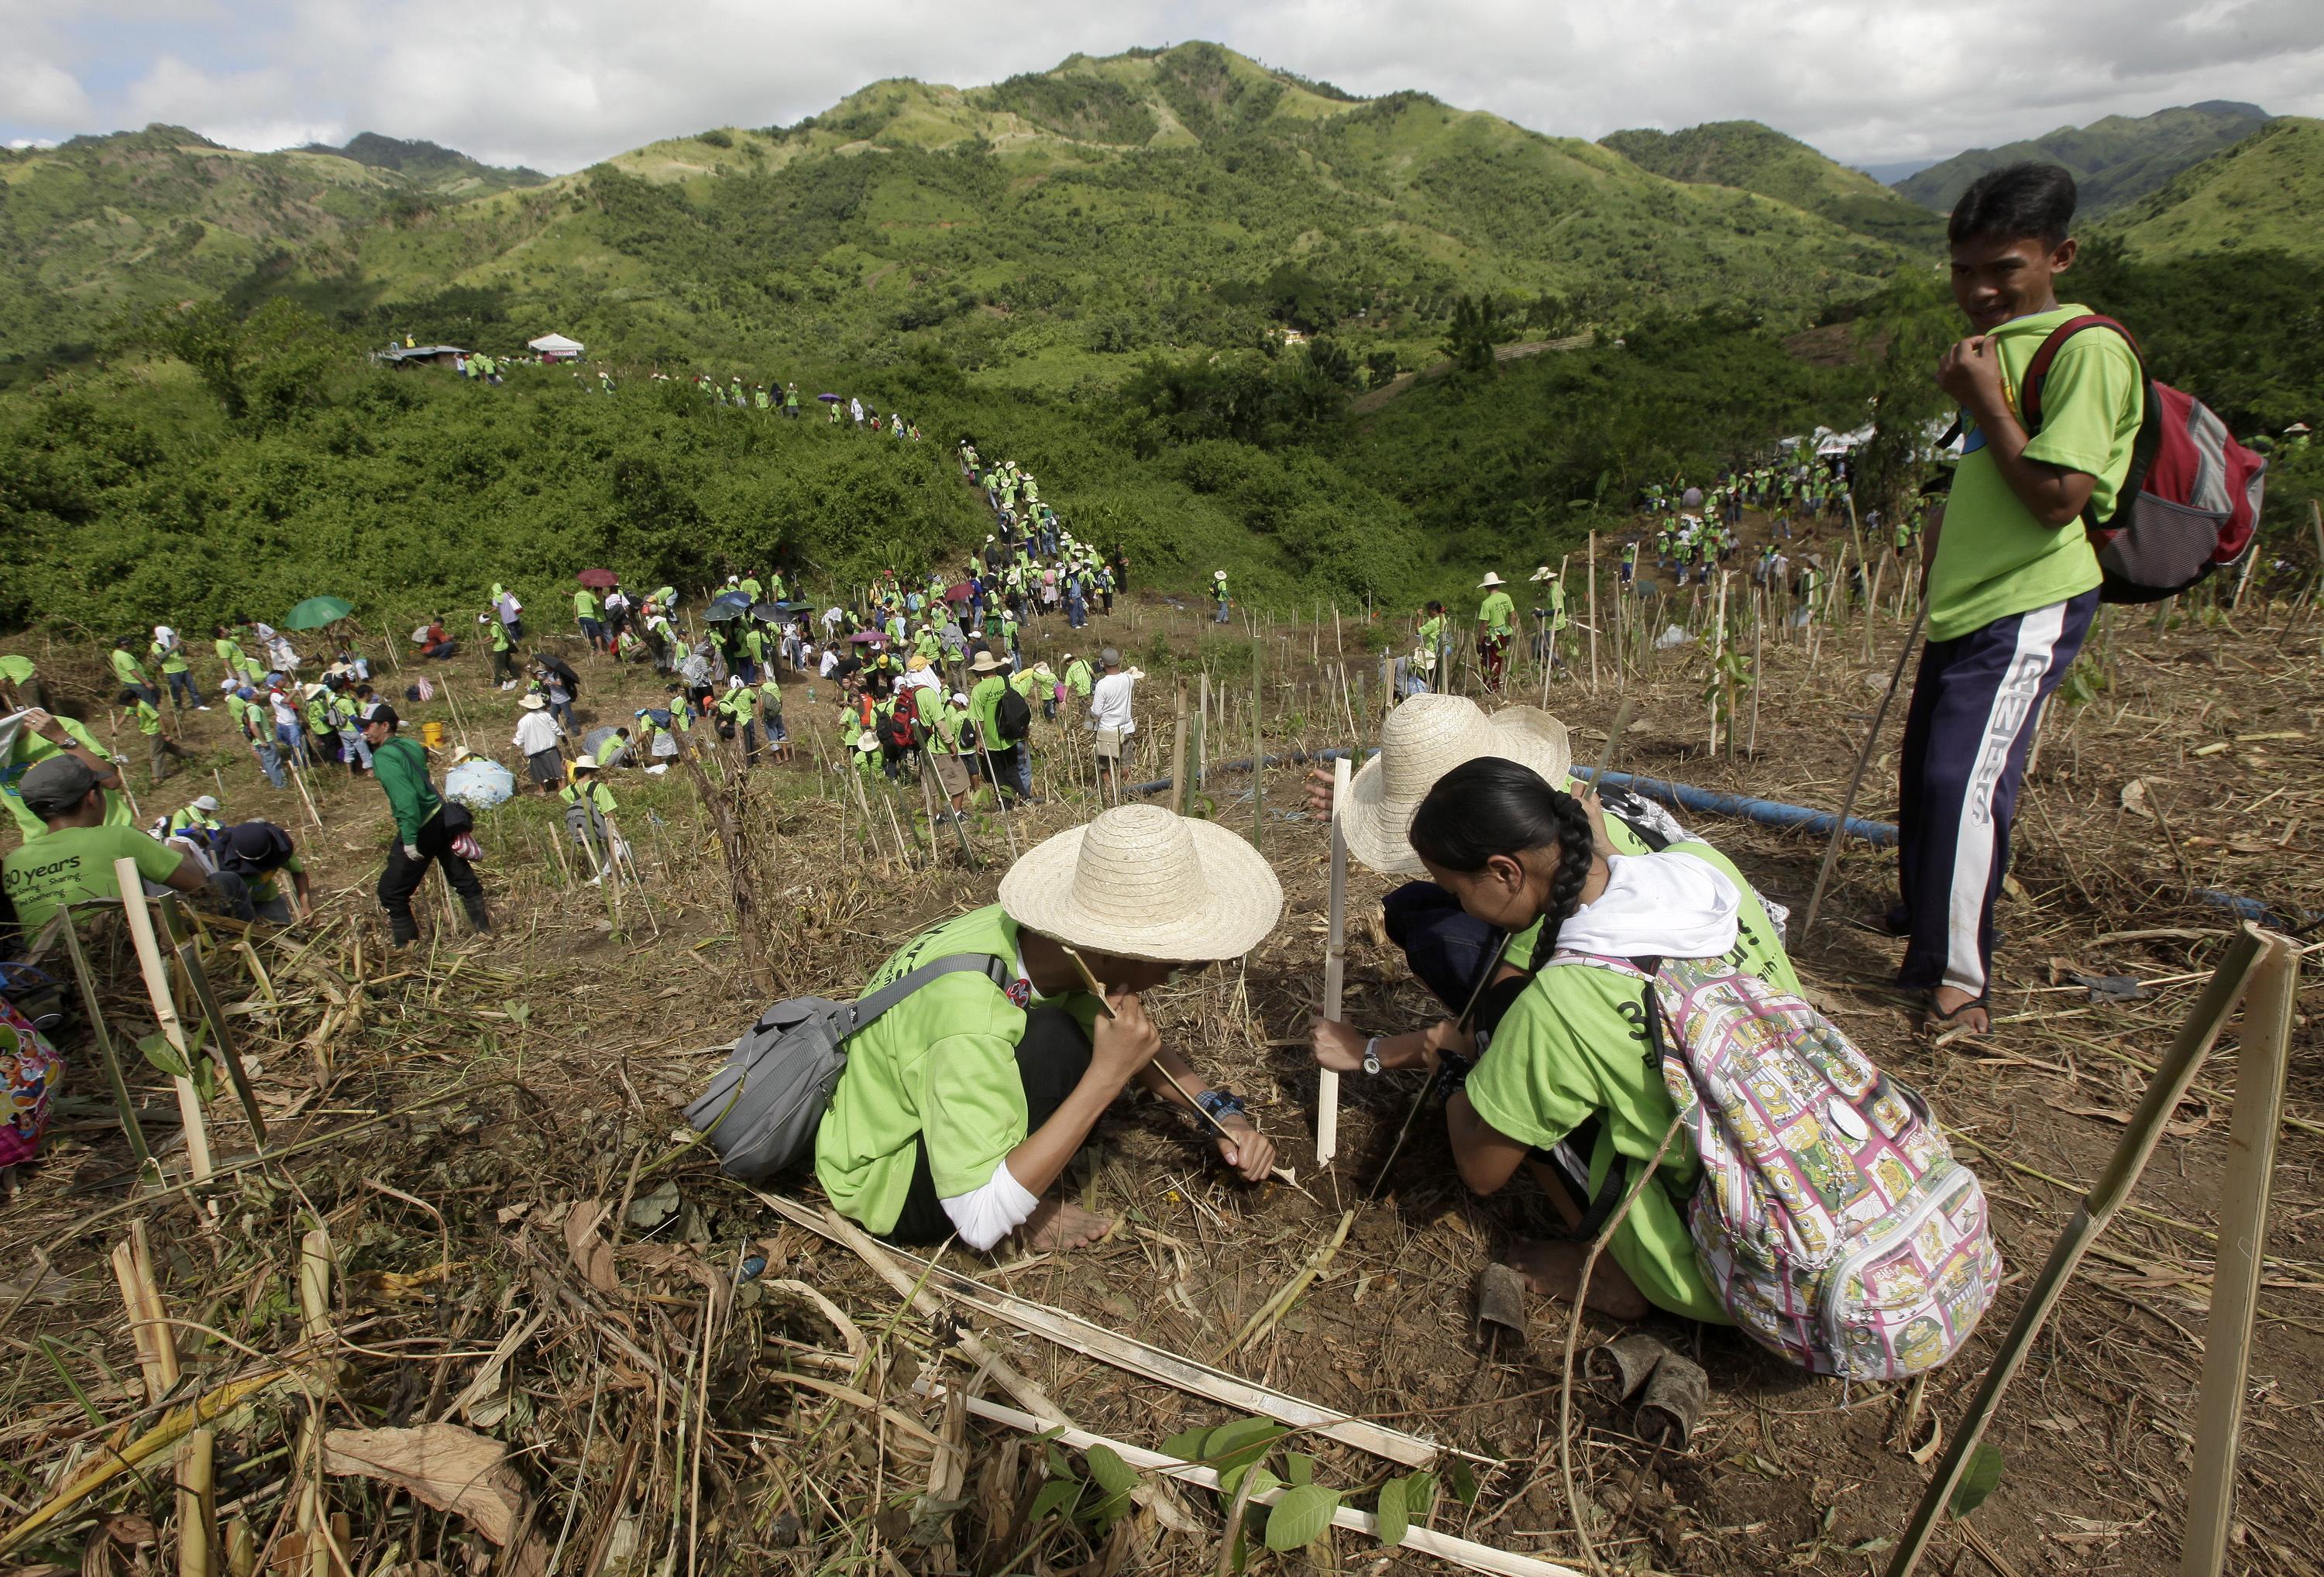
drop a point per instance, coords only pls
(1489, 806)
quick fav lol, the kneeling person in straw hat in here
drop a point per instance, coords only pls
(962, 1104)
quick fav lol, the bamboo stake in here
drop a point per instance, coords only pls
(196, 1502)
(1593, 610)
(222, 1046)
(1336, 964)
(1856, 777)
(157, 988)
(94, 1014)
(1178, 751)
(1258, 754)
(2176, 1071)
(2256, 1120)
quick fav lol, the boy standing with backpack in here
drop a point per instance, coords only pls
(2012, 580)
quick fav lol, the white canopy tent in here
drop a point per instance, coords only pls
(556, 347)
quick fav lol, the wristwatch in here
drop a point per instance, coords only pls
(1371, 1054)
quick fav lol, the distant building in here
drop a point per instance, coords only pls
(422, 356)
(556, 347)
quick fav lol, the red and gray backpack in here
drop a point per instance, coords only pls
(2191, 502)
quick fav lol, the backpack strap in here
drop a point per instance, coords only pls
(2029, 394)
(861, 1012)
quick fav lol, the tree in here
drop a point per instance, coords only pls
(1469, 342)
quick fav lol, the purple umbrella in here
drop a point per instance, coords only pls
(867, 636)
(830, 397)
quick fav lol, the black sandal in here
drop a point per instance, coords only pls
(1941, 1026)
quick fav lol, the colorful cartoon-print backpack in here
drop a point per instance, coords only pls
(1831, 1218)
(30, 1074)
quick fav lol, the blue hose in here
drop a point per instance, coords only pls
(1771, 813)
(1766, 812)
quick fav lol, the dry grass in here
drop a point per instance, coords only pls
(520, 1245)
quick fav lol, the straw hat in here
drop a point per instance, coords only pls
(867, 741)
(1423, 739)
(1545, 573)
(1218, 575)
(985, 663)
(1492, 578)
(585, 763)
(1140, 882)
(532, 703)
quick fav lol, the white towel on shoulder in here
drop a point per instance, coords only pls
(1670, 905)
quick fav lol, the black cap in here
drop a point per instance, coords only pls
(383, 712)
(56, 786)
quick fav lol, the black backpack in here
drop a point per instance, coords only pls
(1013, 718)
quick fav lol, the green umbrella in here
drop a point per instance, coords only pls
(317, 611)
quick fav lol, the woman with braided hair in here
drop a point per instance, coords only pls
(1558, 1073)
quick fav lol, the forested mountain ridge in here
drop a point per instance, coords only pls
(1173, 199)
(106, 224)
(1756, 158)
(2116, 160)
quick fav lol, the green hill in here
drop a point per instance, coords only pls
(1042, 229)
(2116, 160)
(2264, 193)
(104, 224)
(1756, 158)
(430, 164)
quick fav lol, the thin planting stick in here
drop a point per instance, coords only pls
(1335, 963)
(157, 988)
(1856, 777)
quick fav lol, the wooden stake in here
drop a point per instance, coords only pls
(1178, 796)
(94, 1014)
(2256, 1120)
(1593, 610)
(1258, 754)
(1856, 778)
(1335, 963)
(157, 988)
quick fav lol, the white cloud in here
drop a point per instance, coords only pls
(558, 85)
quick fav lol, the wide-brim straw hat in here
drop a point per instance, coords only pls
(1492, 578)
(985, 663)
(532, 703)
(1141, 882)
(1545, 573)
(1425, 738)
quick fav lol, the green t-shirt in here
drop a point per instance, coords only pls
(149, 717)
(31, 750)
(125, 668)
(940, 1066)
(173, 658)
(1497, 612)
(1994, 560)
(1573, 1046)
(585, 603)
(938, 724)
(74, 864)
(599, 795)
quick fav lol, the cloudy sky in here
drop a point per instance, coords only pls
(557, 84)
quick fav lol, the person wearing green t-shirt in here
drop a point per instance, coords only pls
(2012, 581)
(169, 653)
(162, 747)
(1496, 617)
(132, 675)
(41, 735)
(69, 857)
(1565, 1083)
(589, 808)
(962, 1104)
(586, 609)
(400, 764)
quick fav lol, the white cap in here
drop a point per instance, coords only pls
(734, 580)
(734, 681)
(585, 763)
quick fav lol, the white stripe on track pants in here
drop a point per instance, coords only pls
(1977, 699)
